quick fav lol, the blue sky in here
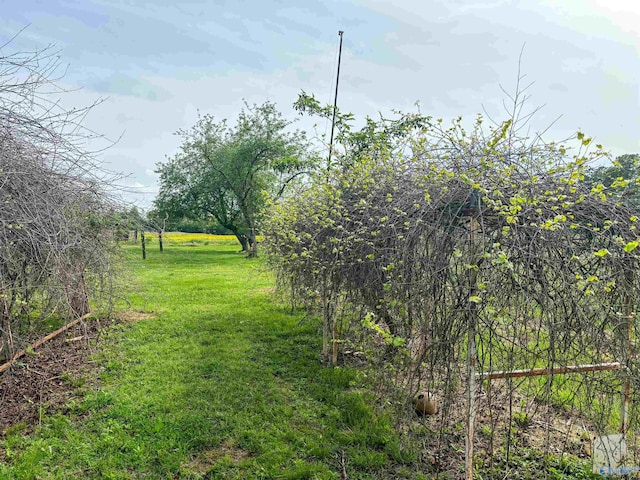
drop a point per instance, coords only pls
(158, 63)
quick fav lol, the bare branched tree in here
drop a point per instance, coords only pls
(54, 250)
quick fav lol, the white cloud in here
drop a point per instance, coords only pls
(449, 56)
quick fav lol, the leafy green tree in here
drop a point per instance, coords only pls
(374, 138)
(230, 173)
(623, 176)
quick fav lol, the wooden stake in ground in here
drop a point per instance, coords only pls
(627, 331)
(534, 372)
(471, 349)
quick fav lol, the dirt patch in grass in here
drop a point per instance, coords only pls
(41, 382)
(267, 290)
(131, 316)
(207, 459)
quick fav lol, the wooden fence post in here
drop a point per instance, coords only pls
(472, 313)
(627, 332)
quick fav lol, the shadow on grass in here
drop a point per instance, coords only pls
(222, 384)
(292, 417)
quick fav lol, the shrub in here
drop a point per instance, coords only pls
(55, 250)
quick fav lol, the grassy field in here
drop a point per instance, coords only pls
(217, 381)
(192, 239)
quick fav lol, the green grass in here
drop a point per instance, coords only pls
(221, 383)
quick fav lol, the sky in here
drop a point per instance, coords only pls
(156, 64)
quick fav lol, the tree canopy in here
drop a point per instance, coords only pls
(622, 176)
(229, 173)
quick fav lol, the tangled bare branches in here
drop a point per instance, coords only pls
(436, 242)
(53, 249)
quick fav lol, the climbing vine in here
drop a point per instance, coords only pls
(422, 231)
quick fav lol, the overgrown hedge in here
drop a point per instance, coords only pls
(55, 251)
(424, 237)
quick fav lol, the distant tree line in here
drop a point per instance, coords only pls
(621, 176)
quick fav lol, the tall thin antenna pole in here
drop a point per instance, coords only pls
(335, 103)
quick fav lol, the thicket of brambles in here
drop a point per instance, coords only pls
(55, 252)
(439, 254)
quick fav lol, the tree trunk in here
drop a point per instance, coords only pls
(76, 290)
(160, 241)
(244, 241)
(253, 245)
(6, 338)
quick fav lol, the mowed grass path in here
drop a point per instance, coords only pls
(222, 382)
